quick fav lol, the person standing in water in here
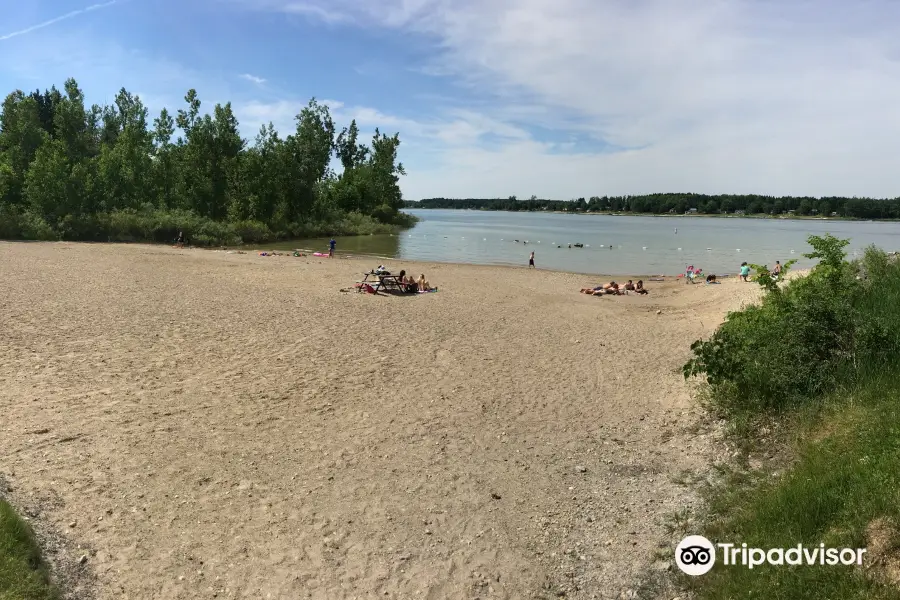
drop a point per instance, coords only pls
(531, 261)
(331, 246)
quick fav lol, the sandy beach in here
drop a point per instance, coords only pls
(202, 424)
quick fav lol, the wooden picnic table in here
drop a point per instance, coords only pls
(383, 281)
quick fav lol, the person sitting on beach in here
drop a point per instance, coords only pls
(407, 284)
(689, 274)
(745, 271)
(639, 288)
(711, 279)
(629, 286)
(179, 241)
(423, 284)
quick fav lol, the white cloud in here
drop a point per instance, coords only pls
(253, 78)
(790, 97)
(712, 95)
(55, 20)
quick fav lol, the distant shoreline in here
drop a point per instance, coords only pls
(669, 215)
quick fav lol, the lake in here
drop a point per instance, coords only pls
(613, 245)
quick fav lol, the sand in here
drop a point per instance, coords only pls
(200, 424)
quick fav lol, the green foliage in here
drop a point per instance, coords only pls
(827, 346)
(23, 575)
(109, 174)
(830, 252)
(815, 334)
(845, 477)
(767, 279)
(744, 204)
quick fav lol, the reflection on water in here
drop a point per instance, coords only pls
(614, 245)
(387, 246)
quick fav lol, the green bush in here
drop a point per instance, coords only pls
(253, 232)
(150, 224)
(34, 227)
(817, 333)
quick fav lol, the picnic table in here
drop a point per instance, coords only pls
(380, 281)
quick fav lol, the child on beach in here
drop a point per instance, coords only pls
(531, 261)
(331, 246)
(745, 271)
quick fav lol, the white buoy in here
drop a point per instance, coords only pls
(737, 249)
(679, 249)
(603, 245)
(792, 251)
(484, 239)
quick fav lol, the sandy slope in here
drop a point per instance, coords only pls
(231, 425)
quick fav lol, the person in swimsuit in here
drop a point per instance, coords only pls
(531, 261)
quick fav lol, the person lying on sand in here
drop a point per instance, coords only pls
(610, 288)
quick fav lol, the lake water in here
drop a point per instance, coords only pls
(613, 245)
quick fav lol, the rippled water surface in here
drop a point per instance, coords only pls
(615, 245)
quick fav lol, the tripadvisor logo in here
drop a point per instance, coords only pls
(696, 555)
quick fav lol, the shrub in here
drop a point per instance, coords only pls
(817, 333)
(253, 232)
(34, 227)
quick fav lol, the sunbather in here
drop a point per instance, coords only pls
(639, 288)
(423, 284)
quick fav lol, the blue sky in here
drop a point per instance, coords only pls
(559, 98)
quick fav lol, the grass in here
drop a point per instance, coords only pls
(23, 574)
(845, 476)
(809, 379)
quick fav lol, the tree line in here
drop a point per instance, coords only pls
(748, 204)
(72, 171)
